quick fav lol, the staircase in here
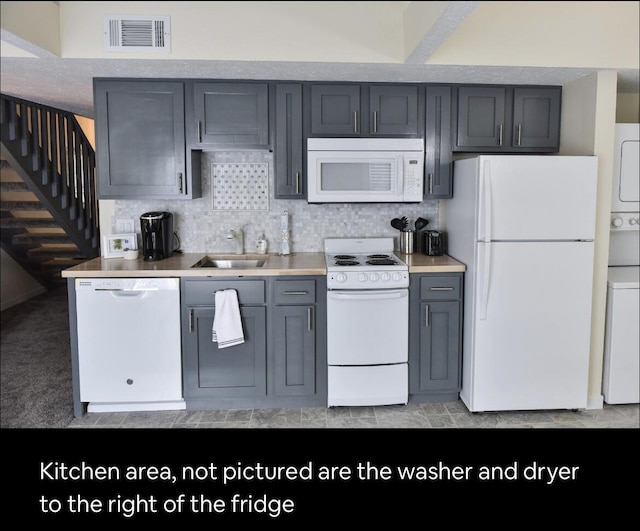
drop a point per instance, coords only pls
(48, 204)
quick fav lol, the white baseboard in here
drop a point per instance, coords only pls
(108, 407)
(595, 402)
(8, 303)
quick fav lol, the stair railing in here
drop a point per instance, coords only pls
(57, 162)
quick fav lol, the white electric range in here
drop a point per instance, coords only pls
(367, 323)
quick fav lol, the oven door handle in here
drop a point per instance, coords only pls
(369, 295)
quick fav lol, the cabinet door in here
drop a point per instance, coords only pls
(536, 118)
(335, 110)
(393, 110)
(288, 161)
(231, 114)
(237, 371)
(481, 117)
(294, 356)
(439, 366)
(140, 139)
(438, 152)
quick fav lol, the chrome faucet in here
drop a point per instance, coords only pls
(238, 235)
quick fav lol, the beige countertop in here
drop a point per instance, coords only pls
(181, 265)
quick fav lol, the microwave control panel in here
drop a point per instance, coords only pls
(413, 177)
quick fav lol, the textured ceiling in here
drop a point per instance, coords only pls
(67, 84)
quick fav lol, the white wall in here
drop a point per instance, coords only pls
(546, 34)
(16, 284)
(588, 128)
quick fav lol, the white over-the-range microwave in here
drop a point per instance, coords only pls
(365, 170)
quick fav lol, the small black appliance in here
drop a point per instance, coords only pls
(433, 243)
(157, 235)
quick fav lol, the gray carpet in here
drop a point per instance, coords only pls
(35, 364)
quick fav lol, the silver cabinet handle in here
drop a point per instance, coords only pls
(519, 134)
(355, 121)
(430, 181)
(190, 320)
(500, 135)
(297, 182)
(180, 182)
(441, 289)
(426, 316)
(375, 121)
(309, 319)
(199, 133)
(296, 292)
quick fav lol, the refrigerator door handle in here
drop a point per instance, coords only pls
(486, 275)
(487, 201)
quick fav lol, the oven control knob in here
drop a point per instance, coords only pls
(385, 277)
(362, 277)
(397, 276)
(341, 277)
(617, 221)
(374, 277)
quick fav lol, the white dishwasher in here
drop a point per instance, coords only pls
(129, 346)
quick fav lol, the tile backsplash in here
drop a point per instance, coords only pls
(201, 228)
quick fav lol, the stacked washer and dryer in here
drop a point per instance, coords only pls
(621, 374)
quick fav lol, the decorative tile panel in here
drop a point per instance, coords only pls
(240, 186)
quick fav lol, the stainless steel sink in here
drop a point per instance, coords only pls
(238, 263)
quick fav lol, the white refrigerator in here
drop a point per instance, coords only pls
(524, 226)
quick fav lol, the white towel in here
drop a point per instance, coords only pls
(227, 325)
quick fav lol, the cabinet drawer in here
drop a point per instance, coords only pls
(440, 288)
(294, 291)
(203, 291)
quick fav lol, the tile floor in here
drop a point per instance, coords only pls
(432, 415)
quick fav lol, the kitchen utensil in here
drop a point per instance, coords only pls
(404, 222)
(421, 223)
(396, 223)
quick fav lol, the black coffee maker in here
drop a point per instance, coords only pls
(157, 235)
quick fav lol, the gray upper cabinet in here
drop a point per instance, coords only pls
(229, 115)
(335, 110)
(438, 148)
(393, 110)
(364, 110)
(140, 141)
(290, 182)
(536, 118)
(508, 119)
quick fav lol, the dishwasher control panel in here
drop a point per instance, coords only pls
(127, 284)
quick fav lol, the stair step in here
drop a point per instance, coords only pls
(39, 238)
(46, 253)
(32, 223)
(7, 206)
(14, 187)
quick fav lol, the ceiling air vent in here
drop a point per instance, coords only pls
(137, 33)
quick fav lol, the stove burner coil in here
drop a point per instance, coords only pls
(378, 256)
(381, 261)
(344, 257)
(347, 262)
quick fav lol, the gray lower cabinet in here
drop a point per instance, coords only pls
(298, 360)
(228, 115)
(282, 362)
(290, 181)
(140, 141)
(508, 119)
(435, 342)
